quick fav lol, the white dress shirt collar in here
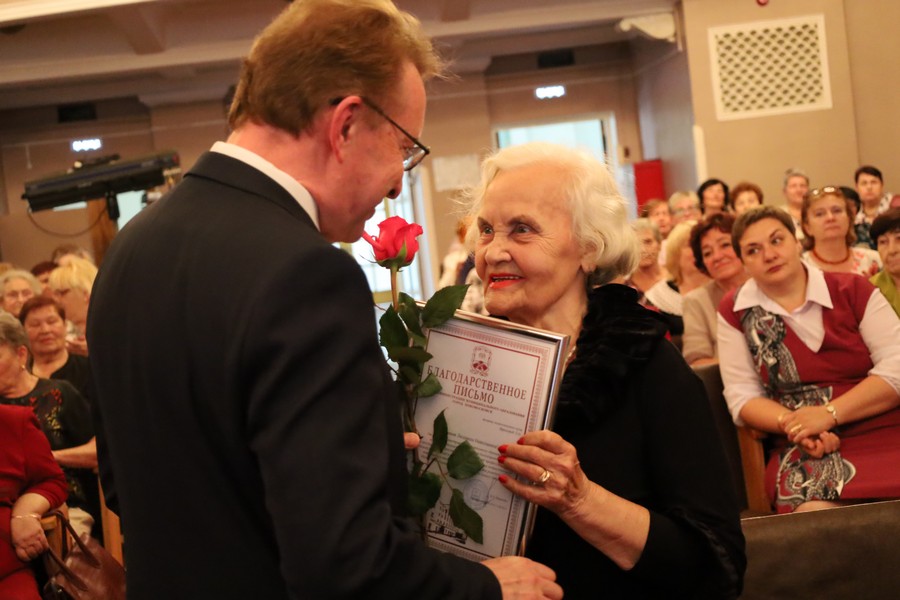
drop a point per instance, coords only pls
(293, 187)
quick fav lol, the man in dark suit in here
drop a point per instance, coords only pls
(250, 436)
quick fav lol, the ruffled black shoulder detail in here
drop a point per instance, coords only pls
(617, 336)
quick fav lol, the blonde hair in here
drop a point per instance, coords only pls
(679, 237)
(317, 51)
(77, 274)
(599, 215)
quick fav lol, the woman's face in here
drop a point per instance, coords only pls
(770, 253)
(745, 201)
(74, 302)
(686, 262)
(46, 330)
(12, 366)
(827, 218)
(526, 253)
(649, 249)
(15, 293)
(713, 199)
(718, 255)
(662, 218)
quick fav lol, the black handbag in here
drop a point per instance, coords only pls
(87, 572)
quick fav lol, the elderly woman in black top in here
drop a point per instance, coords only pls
(64, 418)
(635, 494)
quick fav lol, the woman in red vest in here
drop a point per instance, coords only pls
(813, 358)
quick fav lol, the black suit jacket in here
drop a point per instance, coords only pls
(249, 428)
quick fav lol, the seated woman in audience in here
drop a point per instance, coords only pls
(684, 206)
(745, 196)
(685, 276)
(714, 198)
(659, 214)
(624, 509)
(651, 279)
(886, 234)
(71, 285)
(31, 483)
(64, 417)
(827, 220)
(17, 287)
(714, 256)
(45, 325)
(814, 358)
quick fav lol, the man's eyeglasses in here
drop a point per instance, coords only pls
(411, 156)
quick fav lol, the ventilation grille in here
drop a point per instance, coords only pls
(770, 68)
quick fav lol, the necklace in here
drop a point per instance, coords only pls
(832, 262)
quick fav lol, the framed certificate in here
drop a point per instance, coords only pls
(499, 380)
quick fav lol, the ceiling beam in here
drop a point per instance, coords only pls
(142, 26)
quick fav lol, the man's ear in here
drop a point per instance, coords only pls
(341, 124)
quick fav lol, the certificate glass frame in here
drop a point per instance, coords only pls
(499, 380)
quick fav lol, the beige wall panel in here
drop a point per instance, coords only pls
(44, 150)
(666, 114)
(457, 122)
(875, 66)
(822, 142)
(188, 129)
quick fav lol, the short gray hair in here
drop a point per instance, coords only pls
(599, 215)
(11, 331)
(32, 281)
(645, 224)
(794, 172)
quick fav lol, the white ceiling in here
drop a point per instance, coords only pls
(162, 51)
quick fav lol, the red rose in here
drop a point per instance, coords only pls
(396, 244)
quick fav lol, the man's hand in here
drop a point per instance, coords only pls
(524, 579)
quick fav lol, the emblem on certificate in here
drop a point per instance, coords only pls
(499, 380)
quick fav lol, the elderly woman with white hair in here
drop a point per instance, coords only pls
(627, 511)
(18, 286)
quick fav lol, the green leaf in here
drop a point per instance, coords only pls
(392, 333)
(443, 304)
(429, 387)
(465, 518)
(409, 375)
(424, 492)
(464, 462)
(439, 441)
(408, 355)
(411, 314)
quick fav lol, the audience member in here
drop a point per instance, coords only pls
(714, 256)
(31, 483)
(829, 235)
(72, 284)
(45, 325)
(64, 417)
(62, 253)
(745, 196)
(796, 185)
(813, 358)
(685, 276)
(714, 198)
(18, 286)
(658, 212)
(650, 278)
(873, 201)
(684, 206)
(886, 233)
(41, 272)
(250, 385)
(452, 266)
(623, 507)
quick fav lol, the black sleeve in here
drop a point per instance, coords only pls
(316, 413)
(695, 536)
